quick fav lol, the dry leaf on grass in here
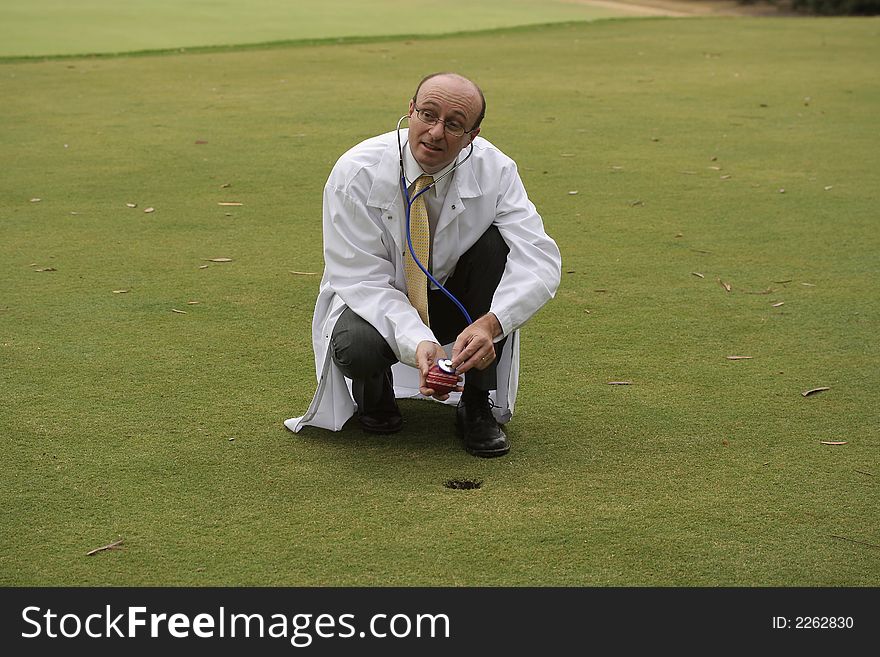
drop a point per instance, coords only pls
(572, 192)
(833, 442)
(852, 540)
(225, 185)
(112, 546)
(149, 210)
(219, 259)
(738, 357)
(131, 205)
(620, 383)
(36, 200)
(304, 273)
(179, 312)
(204, 266)
(120, 291)
(230, 203)
(778, 303)
(696, 273)
(46, 269)
(193, 303)
(726, 286)
(807, 393)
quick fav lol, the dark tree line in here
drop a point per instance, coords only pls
(827, 7)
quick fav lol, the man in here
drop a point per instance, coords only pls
(378, 321)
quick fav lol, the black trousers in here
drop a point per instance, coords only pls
(364, 356)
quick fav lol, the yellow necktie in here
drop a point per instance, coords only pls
(420, 234)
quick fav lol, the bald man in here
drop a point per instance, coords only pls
(486, 245)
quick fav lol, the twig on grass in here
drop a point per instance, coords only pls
(807, 393)
(112, 546)
(870, 474)
(852, 540)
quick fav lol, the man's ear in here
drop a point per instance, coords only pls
(412, 107)
(474, 134)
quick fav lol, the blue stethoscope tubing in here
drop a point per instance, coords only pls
(408, 202)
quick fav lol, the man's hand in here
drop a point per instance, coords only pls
(474, 347)
(428, 353)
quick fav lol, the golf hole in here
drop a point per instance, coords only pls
(463, 484)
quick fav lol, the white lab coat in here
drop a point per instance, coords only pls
(364, 227)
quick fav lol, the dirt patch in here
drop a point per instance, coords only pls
(688, 7)
(463, 484)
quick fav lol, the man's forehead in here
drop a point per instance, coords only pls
(450, 88)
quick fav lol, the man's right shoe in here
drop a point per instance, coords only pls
(381, 423)
(377, 408)
(478, 428)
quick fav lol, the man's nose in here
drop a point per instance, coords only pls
(438, 130)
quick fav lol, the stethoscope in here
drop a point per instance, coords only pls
(408, 202)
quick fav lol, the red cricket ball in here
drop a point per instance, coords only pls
(442, 377)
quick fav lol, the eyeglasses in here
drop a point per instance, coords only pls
(454, 128)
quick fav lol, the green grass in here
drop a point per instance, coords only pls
(102, 26)
(124, 419)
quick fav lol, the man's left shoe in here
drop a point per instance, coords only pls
(477, 426)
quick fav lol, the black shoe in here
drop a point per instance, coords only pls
(386, 422)
(477, 426)
(377, 409)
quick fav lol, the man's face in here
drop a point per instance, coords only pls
(452, 100)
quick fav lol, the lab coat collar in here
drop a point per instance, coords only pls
(385, 192)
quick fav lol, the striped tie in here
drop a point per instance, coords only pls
(420, 234)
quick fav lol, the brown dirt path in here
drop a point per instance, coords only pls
(688, 7)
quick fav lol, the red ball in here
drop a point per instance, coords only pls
(442, 377)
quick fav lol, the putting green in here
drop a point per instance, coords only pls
(59, 27)
(144, 383)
